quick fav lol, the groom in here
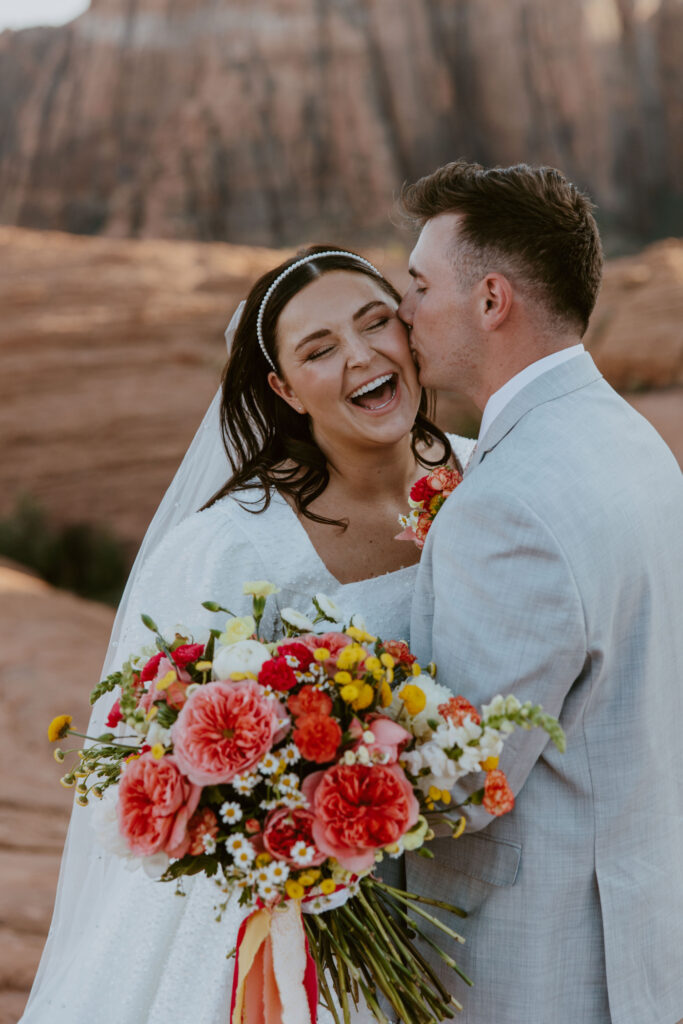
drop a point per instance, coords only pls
(554, 572)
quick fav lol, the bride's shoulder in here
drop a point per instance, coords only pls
(462, 446)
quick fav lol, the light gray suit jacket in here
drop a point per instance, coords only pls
(555, 572)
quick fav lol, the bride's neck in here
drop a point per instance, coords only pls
(373, 473)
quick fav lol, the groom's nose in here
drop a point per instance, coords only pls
(405, 310)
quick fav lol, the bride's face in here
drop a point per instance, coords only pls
(346, 362)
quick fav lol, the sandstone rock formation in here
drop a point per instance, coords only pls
(270, 122)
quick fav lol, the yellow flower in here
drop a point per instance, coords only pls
(342, 677)
(416, 670)
(59, 727)
(321, 654)
(387, 660)
(203, 666)
(385, 695)
(157, 751)
(489, 764)
(414, 839)
(350, 656)
(359, 635)
(434, 793)
(327, 886)
(152, 713)
(460, 828)
(309, 878)
(68, 781)
(166, 680)
(58, 755)
(262, 859)
(365, 697)
(259, 588)
(445, 797)
(349, 693)
(372, 663)
(413, 698)
(294, 890)
(238, 629)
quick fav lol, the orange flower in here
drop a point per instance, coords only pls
(317, 737)
(457, 709)
(498, 797)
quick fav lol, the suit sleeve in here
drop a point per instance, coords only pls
(507, 616)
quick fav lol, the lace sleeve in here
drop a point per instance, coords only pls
(463, 447)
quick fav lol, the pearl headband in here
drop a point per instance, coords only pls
(284, 274)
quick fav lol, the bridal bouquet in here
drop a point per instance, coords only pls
(287, 770)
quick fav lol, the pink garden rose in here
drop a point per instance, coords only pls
(224, 729)
(334, 642)
(358, 809)
(155, 805)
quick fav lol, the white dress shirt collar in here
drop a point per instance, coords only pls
(500, 398)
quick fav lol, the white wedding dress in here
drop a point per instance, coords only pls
(149, 956)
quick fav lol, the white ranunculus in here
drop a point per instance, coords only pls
(291, 617)
(157, 734)
(241, 657)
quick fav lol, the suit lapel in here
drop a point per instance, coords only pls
(560, 380)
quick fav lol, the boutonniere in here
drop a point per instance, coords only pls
(427, 495)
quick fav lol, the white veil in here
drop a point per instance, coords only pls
(88, 873)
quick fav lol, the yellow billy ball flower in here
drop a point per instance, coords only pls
(489, 764)
(157, 751)
(385, 695)
(342, 678)
(445, 797)
(59, 727)
(413, 698)
(349, 693)
(365, 697)
(416, 670)
(294, 890)
(262, 859)
(373, 664)
(309, 878)
(387, 660)
(328, 886)
(321, 654)
(350, 656)
(360, 636)
(166, 681)
(434, 793)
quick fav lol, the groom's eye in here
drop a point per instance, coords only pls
(378, 323)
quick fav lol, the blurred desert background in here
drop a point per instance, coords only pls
(156, 156)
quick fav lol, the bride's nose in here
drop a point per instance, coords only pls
(358, 352)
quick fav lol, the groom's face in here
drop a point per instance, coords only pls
(440, 311)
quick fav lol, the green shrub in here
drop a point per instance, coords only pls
(80, 557)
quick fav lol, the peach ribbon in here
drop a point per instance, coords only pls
(275, 979)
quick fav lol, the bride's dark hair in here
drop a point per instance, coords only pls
(265, 439)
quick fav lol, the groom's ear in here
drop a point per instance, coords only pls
(496, 297)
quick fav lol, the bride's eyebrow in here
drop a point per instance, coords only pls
(324, 331)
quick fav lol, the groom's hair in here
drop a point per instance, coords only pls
(529, 223)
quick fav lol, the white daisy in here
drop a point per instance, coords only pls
(290, 753)
(209, 843)
(302, 853)
(278, 872)
(246, 782)
(231, 812)
(269, 763)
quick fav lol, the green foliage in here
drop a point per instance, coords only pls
(80, 557)
(106, 686)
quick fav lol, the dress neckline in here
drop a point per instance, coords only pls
(306, 540)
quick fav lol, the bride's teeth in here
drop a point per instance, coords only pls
(371, 385)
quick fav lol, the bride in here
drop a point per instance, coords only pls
(325, 428)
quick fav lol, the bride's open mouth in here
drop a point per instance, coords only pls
(376, 394)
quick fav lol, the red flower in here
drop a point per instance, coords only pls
(498, 797)
(115, 716)
(301, 652)
(317, 737)
(277, 674)
(202, 823)
(422, 490)
(252, 825)
(283, 828)
(150, 669)
(445, 480)
(309, 701)
(359, 809)
(457, 709)
(424, 522)
(400, 651)
(186, 653)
